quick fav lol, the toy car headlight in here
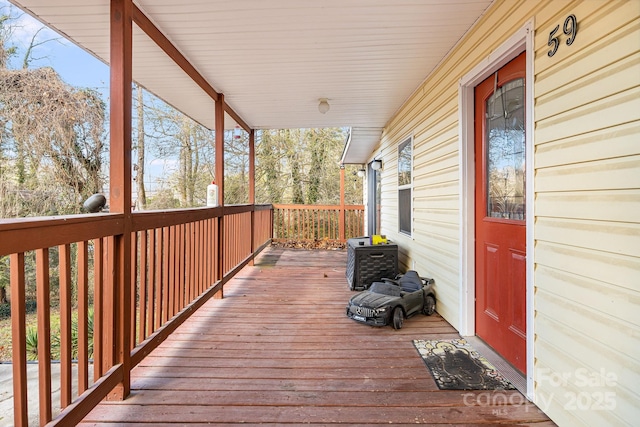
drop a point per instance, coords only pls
(380, 310)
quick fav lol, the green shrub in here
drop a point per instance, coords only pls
(32, 343)
(5, 311)
(32, 339)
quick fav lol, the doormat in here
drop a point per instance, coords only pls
(455, 365)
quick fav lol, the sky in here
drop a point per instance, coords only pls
(76, 67)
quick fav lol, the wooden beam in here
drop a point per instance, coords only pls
(220, 181)
(342, 206)
(236, 117)
(219, 118)
(145, 24)
(148, 220)
(80, 408)
(122, 264)
(120, 105)
(252, 167)
(252, 187)
(120, 183)
(26, 234)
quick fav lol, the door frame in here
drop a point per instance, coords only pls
(373, 224)
(522, 40)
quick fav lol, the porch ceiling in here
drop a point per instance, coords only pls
(274, 59)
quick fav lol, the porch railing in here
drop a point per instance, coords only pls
(317, 222)
(176, 259)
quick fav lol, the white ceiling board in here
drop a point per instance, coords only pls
(274, 59)
(163, 77)
(359, 145)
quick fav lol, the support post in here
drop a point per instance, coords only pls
(252, 167)
(342, 209)
(252, 188)
(120, 187)
(219, 116)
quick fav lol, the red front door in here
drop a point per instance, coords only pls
(500, 212)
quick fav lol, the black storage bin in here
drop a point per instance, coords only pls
(367, 263)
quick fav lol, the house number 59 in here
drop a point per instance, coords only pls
(570, 29)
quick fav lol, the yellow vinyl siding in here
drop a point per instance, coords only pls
(616, 173)
(597, 85)
(606, 236)
(612, 142)
(594, 205)
(586, 229)
(555, 396)
(625, 106)
(587, 210)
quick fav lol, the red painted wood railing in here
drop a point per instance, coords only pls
(173, 266)
(317, 222)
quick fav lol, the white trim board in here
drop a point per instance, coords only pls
(523, 39)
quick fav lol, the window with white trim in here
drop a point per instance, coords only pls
(405, 185)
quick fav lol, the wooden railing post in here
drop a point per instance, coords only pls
(219, 118)
(44, 333)
(342, 209)
(64, 287)
(18, 338)
(83, 308)
(252, 189)
(120, 186)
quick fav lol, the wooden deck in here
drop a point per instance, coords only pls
(278, 349)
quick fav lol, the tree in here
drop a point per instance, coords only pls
(301, 166)
(51, 141)
(293, 143)
(51, 134)
(269, 164)
(4, 278)
(174, 137)
(55, 140)
(141, 192)
(318, 157)
(7, 49)
(236, 167)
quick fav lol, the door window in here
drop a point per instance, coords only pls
(505, 163)
(405, 168)
(374, 183)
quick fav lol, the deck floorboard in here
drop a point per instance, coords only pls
(279, 350)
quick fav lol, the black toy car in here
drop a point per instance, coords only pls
(391, 301)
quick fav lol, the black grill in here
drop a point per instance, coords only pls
(362, 311)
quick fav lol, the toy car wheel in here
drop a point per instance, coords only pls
(429, 305)
(398, 318)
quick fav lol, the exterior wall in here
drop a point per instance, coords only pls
(586, 250)
(587, 256)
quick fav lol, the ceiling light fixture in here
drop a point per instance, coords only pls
(323, 106)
